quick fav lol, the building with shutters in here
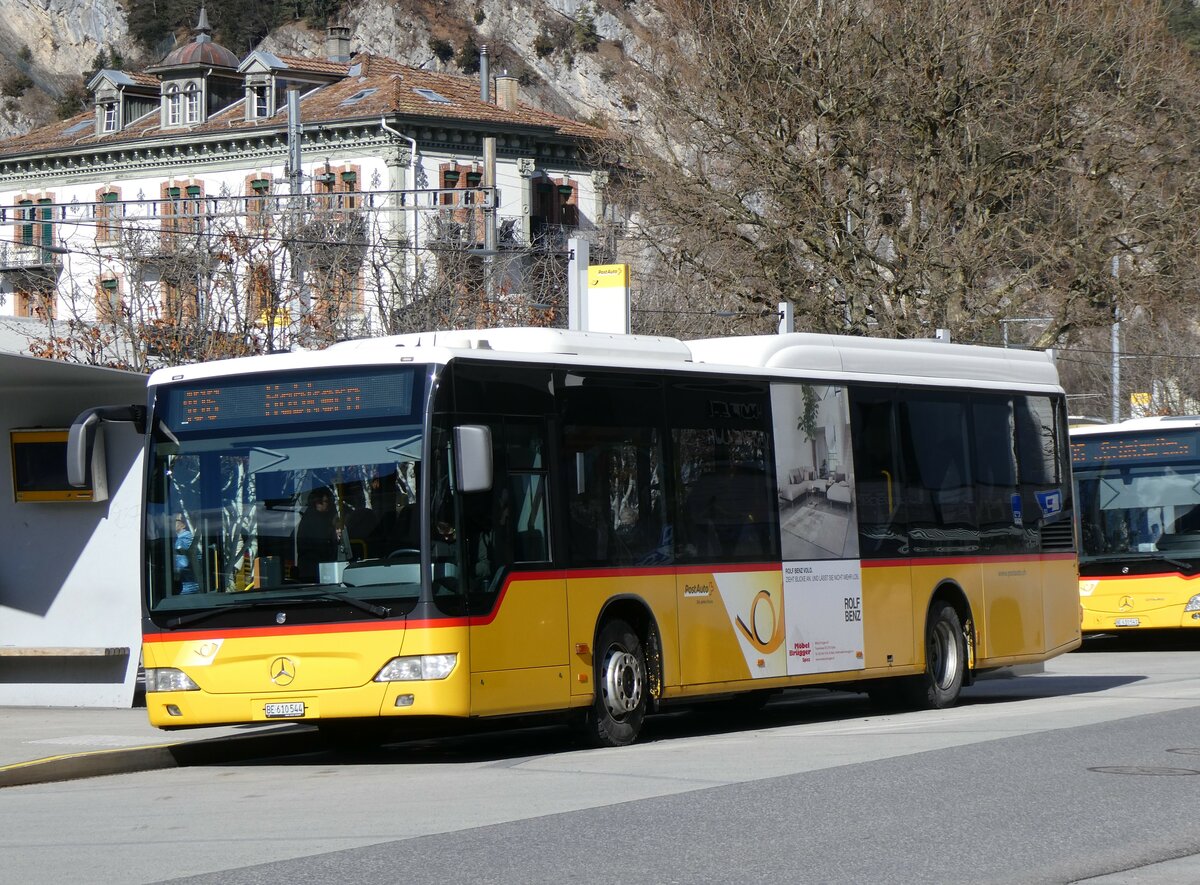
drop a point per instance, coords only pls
(212, 205)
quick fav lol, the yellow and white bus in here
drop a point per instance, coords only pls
(1138, 495)
(473, 525)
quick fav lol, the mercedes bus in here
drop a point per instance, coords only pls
(1138, 497)
(467, 526)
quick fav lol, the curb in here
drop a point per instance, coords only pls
(127, 760)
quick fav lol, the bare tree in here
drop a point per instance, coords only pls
(899, 165)
(228, 275)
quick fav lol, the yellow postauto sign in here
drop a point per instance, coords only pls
(608, 276)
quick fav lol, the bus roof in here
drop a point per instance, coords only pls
(796, 353)
(921, 358)
(1140, 425)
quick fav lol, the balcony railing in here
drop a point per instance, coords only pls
(29, 257)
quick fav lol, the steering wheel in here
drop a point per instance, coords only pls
(404, 551)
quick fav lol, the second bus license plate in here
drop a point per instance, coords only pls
(1127, 622)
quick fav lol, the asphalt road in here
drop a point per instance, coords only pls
(1090, 769)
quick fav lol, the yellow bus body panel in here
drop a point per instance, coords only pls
(331, 672)
(721, 631)
(1062, 611)
(519, 653)
(888, 615)
(1144, 602)
(587, 596)
(708, 636)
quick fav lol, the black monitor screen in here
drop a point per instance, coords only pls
(1151, 447)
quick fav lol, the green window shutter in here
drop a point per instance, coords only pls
(25, 213)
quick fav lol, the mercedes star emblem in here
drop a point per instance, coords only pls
(283, 671)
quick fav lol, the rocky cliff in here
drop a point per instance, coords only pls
(570, 55)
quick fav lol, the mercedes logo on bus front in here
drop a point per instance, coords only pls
(1126, 603)
(283, 671)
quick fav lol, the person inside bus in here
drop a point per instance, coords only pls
(185, 574)
(319, 536)
(395, 527)
(358, 519)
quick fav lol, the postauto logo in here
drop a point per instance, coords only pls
(765, 630)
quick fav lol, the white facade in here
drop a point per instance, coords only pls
(101, 213)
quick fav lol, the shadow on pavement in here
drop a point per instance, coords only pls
(1142, 640)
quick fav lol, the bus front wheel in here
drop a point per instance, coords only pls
(619, 703)
(945, 660)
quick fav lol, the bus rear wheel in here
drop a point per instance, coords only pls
(945, 660)
(619, 702)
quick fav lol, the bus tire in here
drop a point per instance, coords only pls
(619, 700)
(945, 661)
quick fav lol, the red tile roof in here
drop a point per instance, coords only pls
(372, 86)
(316, 65)
(142, 79)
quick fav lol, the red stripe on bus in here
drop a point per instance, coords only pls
(562, 575)
(301, 630)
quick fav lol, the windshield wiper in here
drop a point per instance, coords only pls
(184, 620)
(379, 611)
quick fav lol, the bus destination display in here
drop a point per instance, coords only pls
(1129, 449)
(236, 403)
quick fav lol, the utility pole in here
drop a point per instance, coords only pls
(295, 134)
(1116, 350)
(578, 257)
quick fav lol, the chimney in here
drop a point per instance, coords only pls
(485, 75)
(508, 92)
(337, 43)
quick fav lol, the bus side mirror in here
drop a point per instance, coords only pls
(473, 448)
(81, 440)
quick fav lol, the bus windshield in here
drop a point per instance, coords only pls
(1133, 511)
(265, 489)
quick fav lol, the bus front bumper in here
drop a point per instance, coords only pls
(1166, 618)
(189, 709)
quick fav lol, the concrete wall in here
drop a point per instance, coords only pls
(69, 572)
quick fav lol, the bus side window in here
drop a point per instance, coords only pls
(611, 451)
(995, 464)
(723, 471)
(882, 529)
(1045, 492)
(939, 488)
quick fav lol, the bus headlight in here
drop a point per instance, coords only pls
(1193, 604)
(417, 667)
(168, 679)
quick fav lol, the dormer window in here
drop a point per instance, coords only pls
(110, 118)
(262, 102)
(174, 106)
(193, 103)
